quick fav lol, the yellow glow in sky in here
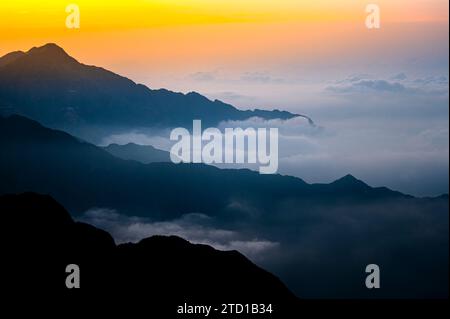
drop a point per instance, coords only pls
(101, 14)
(201, 34)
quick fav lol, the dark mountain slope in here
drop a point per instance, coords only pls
(10, 57)
(48, 85)
(82, 176)
(142, 153)
(154, 275)
(326, 233)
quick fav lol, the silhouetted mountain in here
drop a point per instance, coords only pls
(48, 85)
(81, 175)
(142, 153)
(155, 275)
(10, 57)
(326, 233)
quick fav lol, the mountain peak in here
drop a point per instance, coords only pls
(49, 47)
(348, 177)
(50, 51)
(62, 91)
(349, 180)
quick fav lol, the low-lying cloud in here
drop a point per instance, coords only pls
(396, 84)
(196, 228)
(387, 130)
(368, 85)
(315, 247)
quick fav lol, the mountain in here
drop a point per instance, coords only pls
(10, 57)
(142, 153)
(81, 176)
(313, 236)
(48, 85)
(154, 275)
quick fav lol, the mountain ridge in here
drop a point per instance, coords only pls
(47, 84)
(334, 222)
(142, 153)
(160, 272)
(34, 154)
(22, 120)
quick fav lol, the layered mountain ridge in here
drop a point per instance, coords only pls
(47, 84)
(155, 275)
(81, 175)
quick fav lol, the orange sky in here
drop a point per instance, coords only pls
(162, 36)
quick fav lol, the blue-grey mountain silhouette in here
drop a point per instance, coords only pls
(48, 85)
(153, 276)
(142, 153)
(81, 175)
(327, 230)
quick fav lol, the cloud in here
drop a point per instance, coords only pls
(361, 86)
(389, 130)
(409, 155)
(353, 78)
(368, 84)
(433, 81)
(260, 77)
(292, 127)
(400, 143)
(158, 139)
(315, 247)
(295, 136)
(250, 248)
(196, 228)
(203, 76)
(330, 246)
(399, 77)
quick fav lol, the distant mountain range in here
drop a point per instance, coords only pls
(154, 276)
(317, 237)
(326, 233)
(81, 175)
(50, 86)
(142, 153)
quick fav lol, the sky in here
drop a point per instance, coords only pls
(378, 96)
(156, 41)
